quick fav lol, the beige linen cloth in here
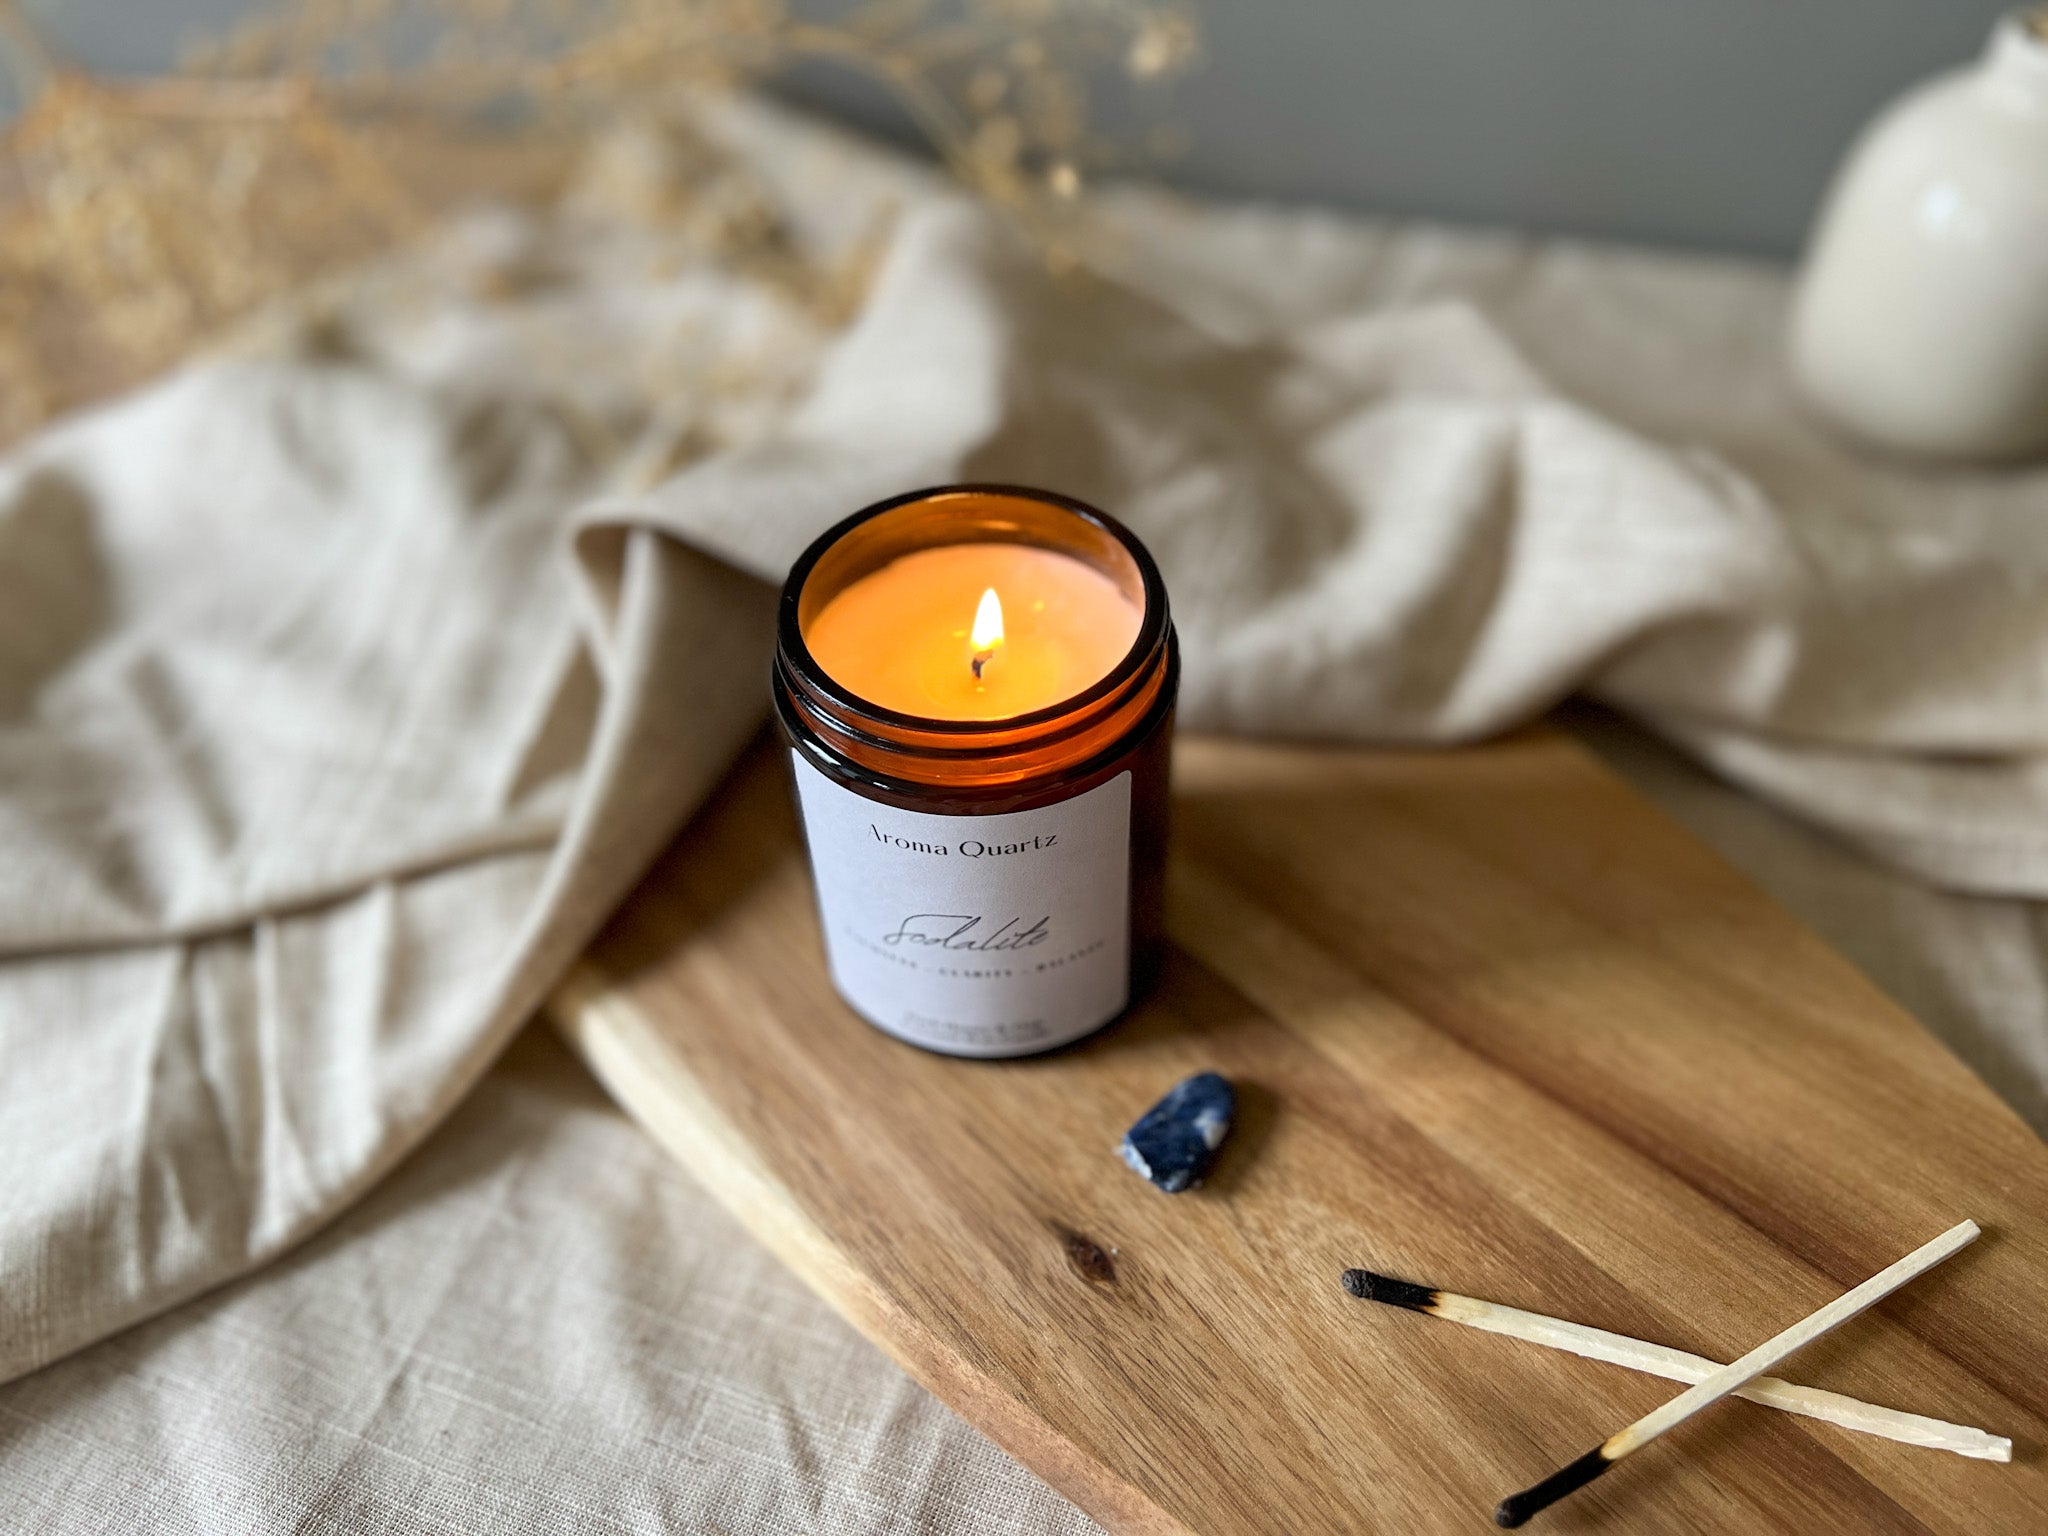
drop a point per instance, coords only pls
(345, 682)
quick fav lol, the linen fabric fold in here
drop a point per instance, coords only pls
(348, 679)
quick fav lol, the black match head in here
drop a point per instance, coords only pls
(1516, 1508)
(1367, 1286)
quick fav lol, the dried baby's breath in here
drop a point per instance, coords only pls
(139, 216)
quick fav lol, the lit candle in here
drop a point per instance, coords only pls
(977, 687)
(975, 631)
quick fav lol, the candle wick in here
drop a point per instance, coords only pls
(981, 659)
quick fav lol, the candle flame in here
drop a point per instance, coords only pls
(987, 633)
(988, 622)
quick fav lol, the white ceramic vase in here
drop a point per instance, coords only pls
(1921, 320)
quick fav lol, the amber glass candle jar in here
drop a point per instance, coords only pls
(988, 830)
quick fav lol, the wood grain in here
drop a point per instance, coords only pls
(1498, 1026)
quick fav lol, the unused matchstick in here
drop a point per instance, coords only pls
(1516, 1508)
(1676, 1365)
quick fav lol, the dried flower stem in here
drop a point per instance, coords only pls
(139, 215)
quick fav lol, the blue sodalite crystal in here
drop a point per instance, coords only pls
(1175, 1141)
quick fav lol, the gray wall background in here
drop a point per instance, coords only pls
(1706, 123)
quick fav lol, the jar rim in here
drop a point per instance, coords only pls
(1153, 621)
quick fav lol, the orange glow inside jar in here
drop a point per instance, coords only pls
(980, 631)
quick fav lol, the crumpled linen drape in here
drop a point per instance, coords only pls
(343, 686)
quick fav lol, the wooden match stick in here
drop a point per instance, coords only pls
(1516, 1508)
(1676, 1365)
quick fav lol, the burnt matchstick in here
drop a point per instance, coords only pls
(1516, 1508)
(1676, 1365)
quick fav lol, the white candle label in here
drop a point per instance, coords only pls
(977, 935)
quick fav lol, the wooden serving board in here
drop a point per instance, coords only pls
(1498, 1026)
